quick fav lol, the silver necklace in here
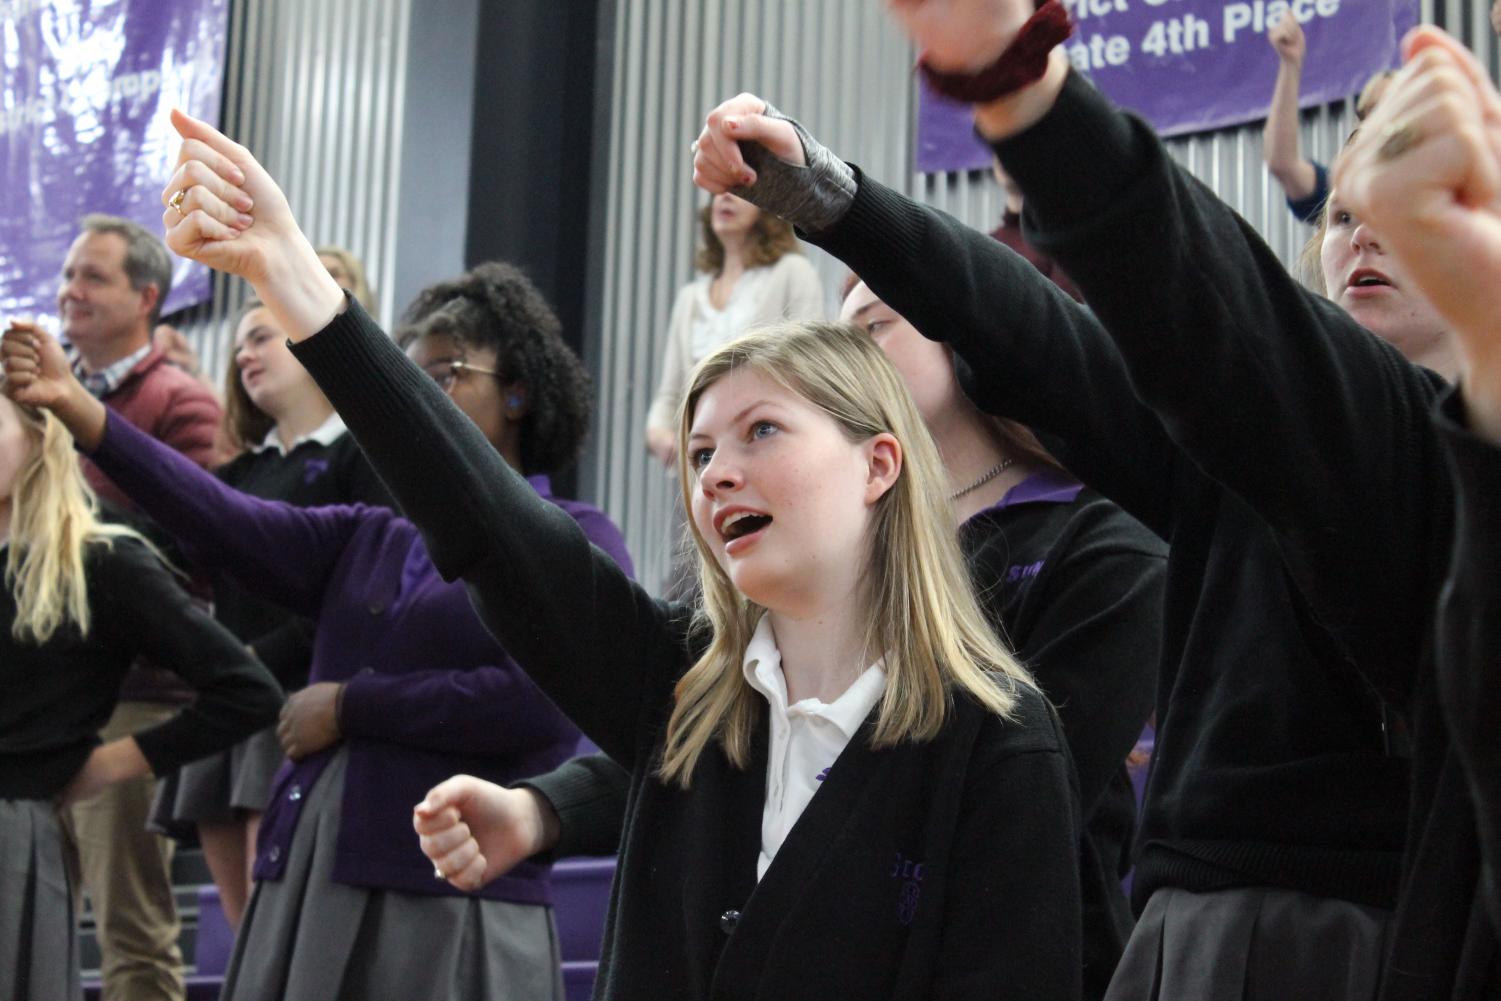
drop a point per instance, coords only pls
(990, 474)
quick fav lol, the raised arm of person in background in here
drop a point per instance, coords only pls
(1427, 169)
(1305, 182)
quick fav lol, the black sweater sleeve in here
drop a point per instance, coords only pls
(1469, 634)
(593, 640)
(1095, 645)
(1273, 391)
(148, 613)
(1023, 349)
(588, 794)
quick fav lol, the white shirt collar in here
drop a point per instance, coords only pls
(324, 434)
(763, 672)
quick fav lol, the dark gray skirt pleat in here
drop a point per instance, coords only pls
(216, 789)
(307, 938)
(1254, 944)
(38, 941)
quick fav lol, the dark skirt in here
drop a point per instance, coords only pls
(307, 938)
(218, 789)
(38, 942)
(1256, 944)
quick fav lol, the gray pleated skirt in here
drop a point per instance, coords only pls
(219, 788)
(1255, 944)
(307, 938)
(38, 942)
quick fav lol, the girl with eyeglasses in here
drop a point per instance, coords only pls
(406, 685)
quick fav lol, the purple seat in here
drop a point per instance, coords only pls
(578, 980)
(581, 895)
(215, 939)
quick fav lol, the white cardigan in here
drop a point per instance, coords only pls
(789, 290)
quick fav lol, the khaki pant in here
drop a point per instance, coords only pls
(128, 873)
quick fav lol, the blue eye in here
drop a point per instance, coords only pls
(699, 458)
(761, 429)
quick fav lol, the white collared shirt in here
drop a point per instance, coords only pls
(806, 737)
(324, 434)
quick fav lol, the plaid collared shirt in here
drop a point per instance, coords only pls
(108, 379)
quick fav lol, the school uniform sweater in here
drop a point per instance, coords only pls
(1467, 693)
(313, 473)
(936, 870)
(55, 697)
(428, 692)
(1076, 585)
(1285, 453)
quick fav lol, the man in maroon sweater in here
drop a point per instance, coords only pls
(109, 298)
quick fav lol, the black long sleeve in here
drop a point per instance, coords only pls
(1469, 635)
(55, 697)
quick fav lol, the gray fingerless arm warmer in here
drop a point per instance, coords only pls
(813, 198)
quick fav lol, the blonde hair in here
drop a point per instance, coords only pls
(923, 615)
(54, 516)
(355, 268)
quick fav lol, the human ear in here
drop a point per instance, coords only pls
(883, 465)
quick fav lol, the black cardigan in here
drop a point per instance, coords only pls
(1469, 691)
(1285, 453)
(55, 698)
(937, 870)
(1076, 585)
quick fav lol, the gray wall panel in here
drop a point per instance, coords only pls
(345, 103)
(843, 69)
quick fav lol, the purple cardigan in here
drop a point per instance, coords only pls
(430, 693)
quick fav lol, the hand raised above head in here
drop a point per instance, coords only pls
(1424, 173)
(718, 163)
(961, 36)
(222, 209)
(1287, 38)
(36, 368)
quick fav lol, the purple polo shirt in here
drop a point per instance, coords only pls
(1046, 486)
(430, 693)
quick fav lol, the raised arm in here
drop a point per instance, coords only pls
(1300, 177)
(1277, 394)
(1023, 349)
(1427, 168)
(595, 642)
(282, 552)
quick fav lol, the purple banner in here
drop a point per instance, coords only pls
(1195, 65)
(85, 88)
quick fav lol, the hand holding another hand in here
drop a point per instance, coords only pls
(1424, 172)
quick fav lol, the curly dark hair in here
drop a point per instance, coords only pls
(495, 306)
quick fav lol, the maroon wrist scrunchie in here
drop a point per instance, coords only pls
(1021, 65)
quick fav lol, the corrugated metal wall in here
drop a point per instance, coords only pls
(843, 69)
(315, 91)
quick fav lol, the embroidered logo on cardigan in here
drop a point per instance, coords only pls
(910, 871)
(1023, 571)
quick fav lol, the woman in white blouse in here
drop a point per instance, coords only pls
(752, 274)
